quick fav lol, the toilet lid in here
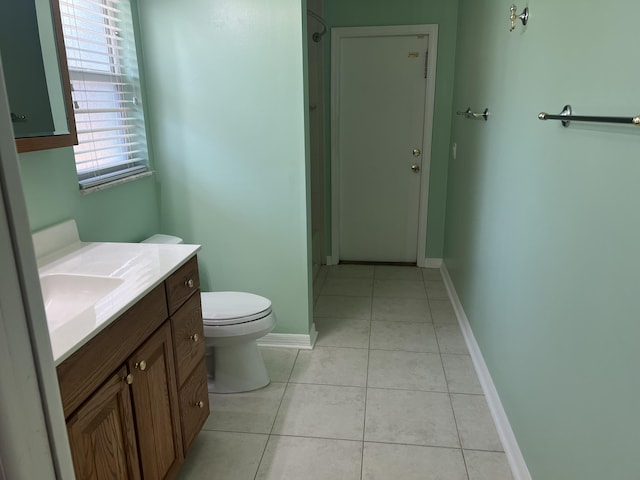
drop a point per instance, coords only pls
(227, 308)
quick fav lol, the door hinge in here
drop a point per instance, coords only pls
(426, 64)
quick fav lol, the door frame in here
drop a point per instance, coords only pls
(33, 441)
(337, 35)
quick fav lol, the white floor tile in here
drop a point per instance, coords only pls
(477, 431)
(407, 336)
(406, 370)
(249, 412)
(296, 458)
(461, 374)
(321, 411)
(436, 290)
(342, 332)
(431, 274)
(399, 289)
(442, 312)
(400, 310)
(450, 339)
(350, 271)
(383, 461)
(487, 465)
(232, 456)
(417, 418)
(352, 287)
(342, 306)
(331, 366)
(389, 272)
(279, 362)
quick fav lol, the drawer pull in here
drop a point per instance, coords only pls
(128, 379)
(200, 404)
(195, 337)
(189, 283)
(141, 365)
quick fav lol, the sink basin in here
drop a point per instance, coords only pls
(67, 296)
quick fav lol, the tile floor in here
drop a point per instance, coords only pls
(389, 392)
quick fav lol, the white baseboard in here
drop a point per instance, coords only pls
(332, 260)
(290, 340)
(508, 438)
(432, 263)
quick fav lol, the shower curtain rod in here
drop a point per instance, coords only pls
(317, 36)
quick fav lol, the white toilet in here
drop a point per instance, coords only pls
(233, 321)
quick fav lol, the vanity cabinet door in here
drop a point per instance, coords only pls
(155, 402)
(101, 434)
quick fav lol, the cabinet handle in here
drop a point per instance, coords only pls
(142, 365)
(200, 404)
(195, 337)
(128, 379)
(189, 283)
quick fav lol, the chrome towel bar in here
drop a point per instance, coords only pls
(567, 117)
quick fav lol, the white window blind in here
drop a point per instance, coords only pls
(103, 67)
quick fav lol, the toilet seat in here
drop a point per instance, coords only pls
(232, 308)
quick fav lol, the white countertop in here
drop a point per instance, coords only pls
(139, 266)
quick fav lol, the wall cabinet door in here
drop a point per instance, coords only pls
(101, 434)
(155, 401)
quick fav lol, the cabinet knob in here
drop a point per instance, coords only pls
(200, 404)
(195, 337)
(128, 379)
(189, 283)
(142, 365)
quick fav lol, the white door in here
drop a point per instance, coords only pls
(381, 116)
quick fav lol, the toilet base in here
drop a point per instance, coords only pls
(236, 368)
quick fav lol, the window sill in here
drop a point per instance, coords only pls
(115, 183)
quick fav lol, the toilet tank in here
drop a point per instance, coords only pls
(161, 238)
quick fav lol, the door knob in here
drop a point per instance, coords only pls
(416, 152)
(415, 168)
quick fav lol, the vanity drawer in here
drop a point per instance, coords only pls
(194, 405)
(188, 337)
(182, 284)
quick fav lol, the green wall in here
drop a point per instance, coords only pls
(225, 91)
(543, 229)
(357, 13)
(126, 213)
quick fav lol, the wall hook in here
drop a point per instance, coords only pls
(524, 16)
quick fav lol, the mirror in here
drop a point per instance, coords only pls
(36, 75)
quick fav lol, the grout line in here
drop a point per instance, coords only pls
(319, 438)
(455, 420)
(284, 392)
(377, 442)
(404, 351)
(255, 475)
(293, 366)
(442, 392)
(414, 445)
(341, 346)
(366, 384)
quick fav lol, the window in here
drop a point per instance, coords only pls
(105, 84)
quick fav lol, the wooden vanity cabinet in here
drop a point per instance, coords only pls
(135, 396)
